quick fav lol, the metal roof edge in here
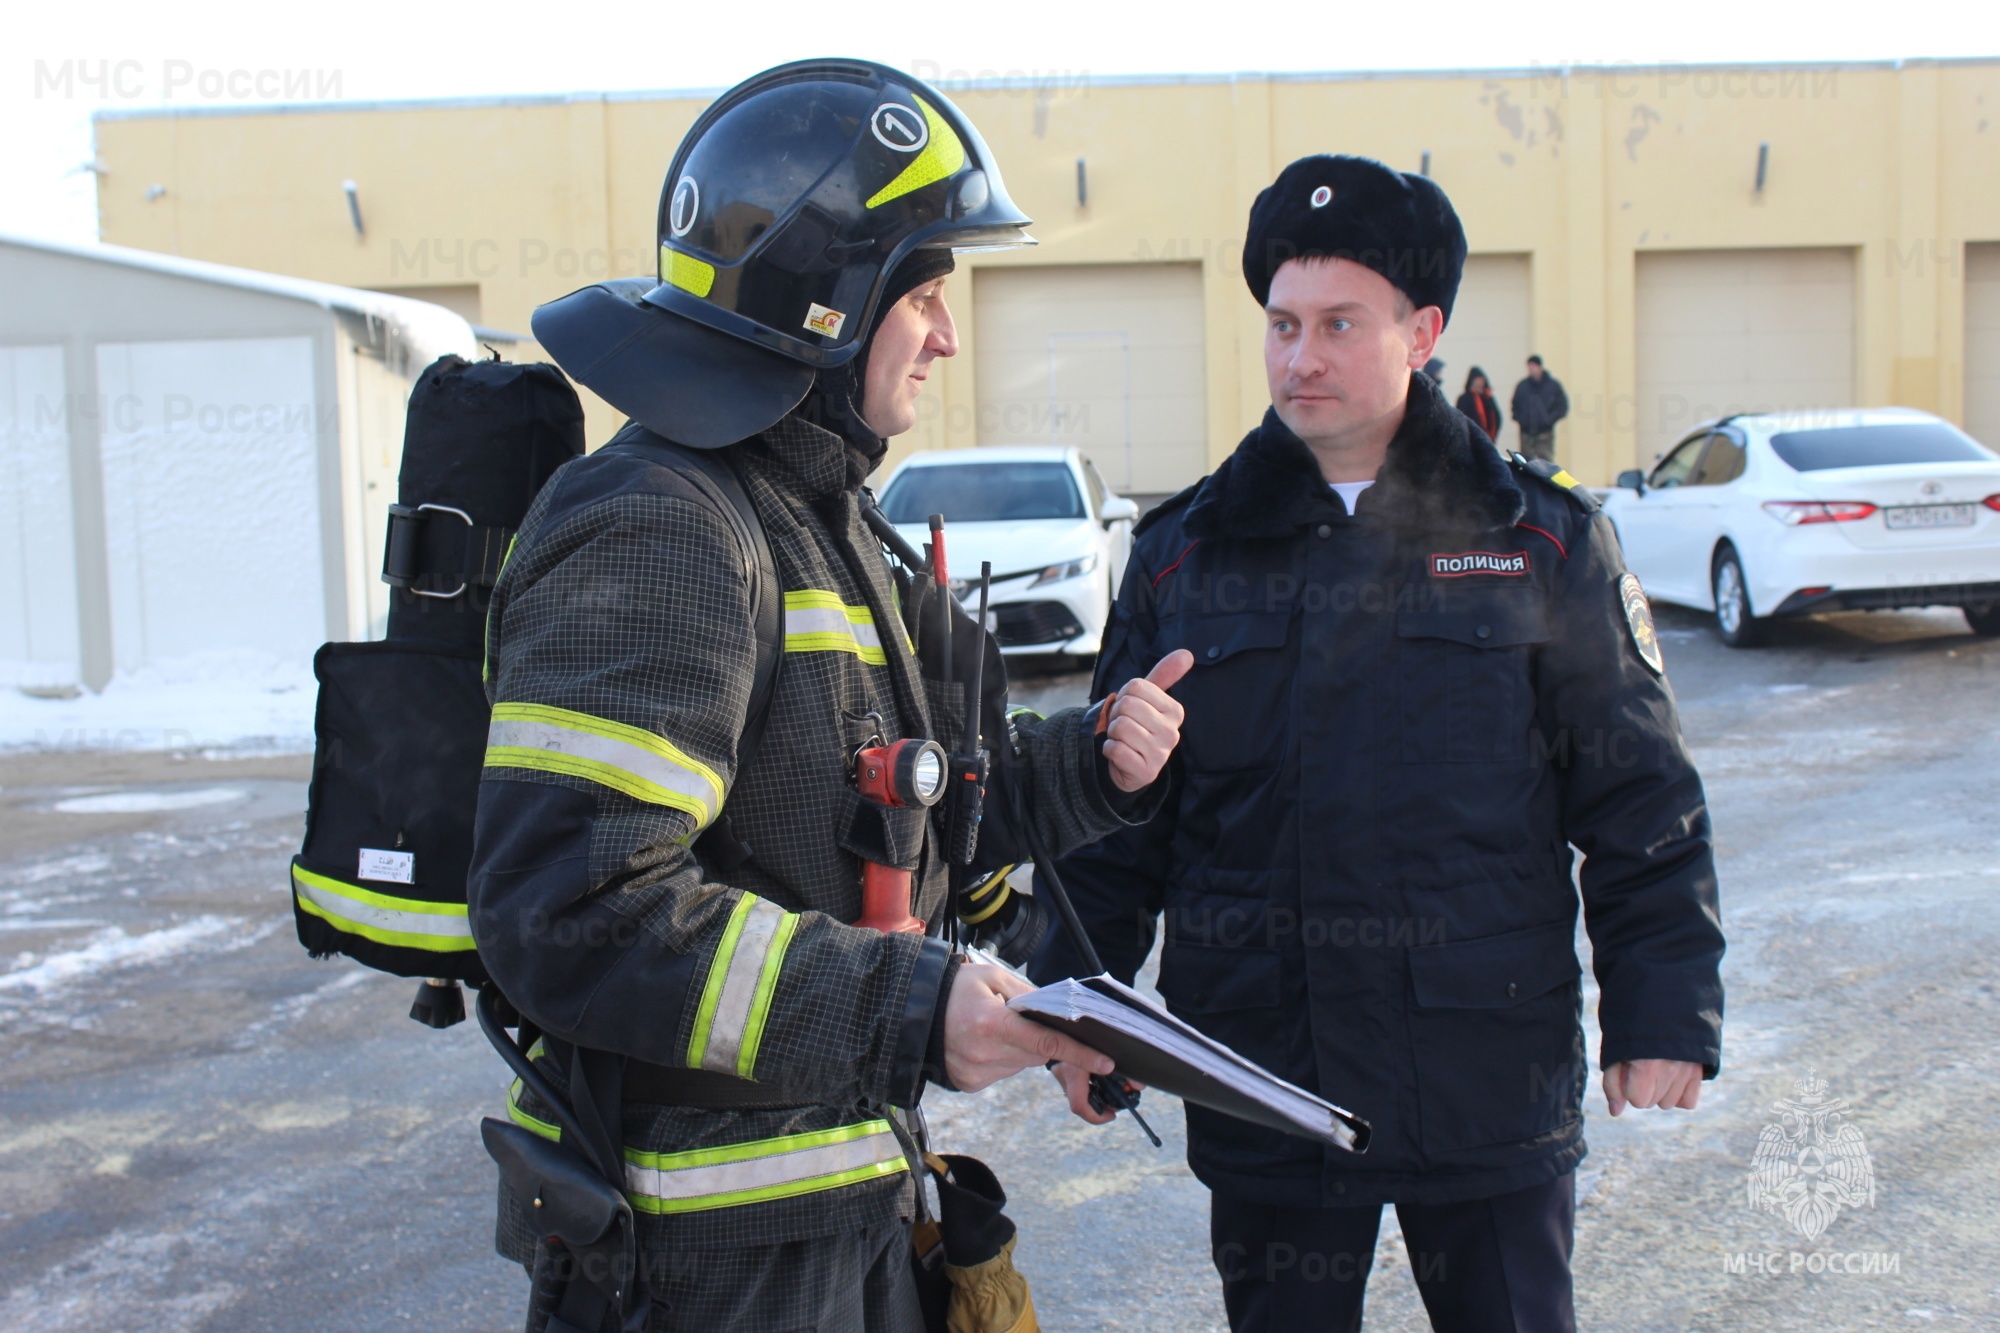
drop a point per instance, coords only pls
(1036, 80)
(420, 324)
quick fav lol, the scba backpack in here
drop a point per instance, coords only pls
(400, 729)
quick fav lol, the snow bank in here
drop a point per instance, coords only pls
(236, 702)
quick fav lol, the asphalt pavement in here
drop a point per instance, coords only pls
(203, 1129)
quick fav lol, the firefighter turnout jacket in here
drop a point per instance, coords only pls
(622, 652)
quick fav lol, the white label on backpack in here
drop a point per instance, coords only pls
(388, 867)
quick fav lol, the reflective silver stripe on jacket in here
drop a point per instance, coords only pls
(742, 978)
(819, 622)
(767, 1169)
(647, 767)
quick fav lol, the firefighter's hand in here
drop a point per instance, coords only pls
(984, 1041)
(1643, 1083)
(1146, 723)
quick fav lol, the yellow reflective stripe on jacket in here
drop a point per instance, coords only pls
(522, 1118)
(411, 923)
(819, 622)
(486, 634)
(626, 759)
(740, 1173)
(780, 1168)
(742, 978)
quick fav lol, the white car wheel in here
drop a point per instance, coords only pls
(1735, 621)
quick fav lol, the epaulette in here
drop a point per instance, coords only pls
(1555, 475)
(1165, 507)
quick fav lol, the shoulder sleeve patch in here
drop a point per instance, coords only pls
(1639, 619)
(1554, 474)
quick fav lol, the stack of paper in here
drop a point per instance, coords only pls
(1153, 1047)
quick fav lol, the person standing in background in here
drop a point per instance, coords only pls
(1479, 404)
(1539, 403)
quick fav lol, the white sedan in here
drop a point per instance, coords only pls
(1056, 537)
(1788, 513)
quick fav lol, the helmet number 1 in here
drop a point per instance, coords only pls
(899, 127)
(686, 205)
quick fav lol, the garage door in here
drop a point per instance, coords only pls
(1489, 329)
(211, 499)
(38, 627)
(1104, 357)
(1982, 343)
(1724, 331)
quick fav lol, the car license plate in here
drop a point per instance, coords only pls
(1929, 516)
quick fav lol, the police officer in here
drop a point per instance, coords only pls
(762, 1052)
(1422, 677)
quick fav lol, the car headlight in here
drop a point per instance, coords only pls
(1071, 569)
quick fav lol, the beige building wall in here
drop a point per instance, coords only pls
(1579, 172)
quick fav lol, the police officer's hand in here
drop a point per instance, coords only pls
(1644, 1083)
(1146, 723)
(1076, 1087)
(985, 1041)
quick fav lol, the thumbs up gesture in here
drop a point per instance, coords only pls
(1144, 723)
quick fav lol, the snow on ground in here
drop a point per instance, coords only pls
(147, 802)
(235, 702)
(114, 948)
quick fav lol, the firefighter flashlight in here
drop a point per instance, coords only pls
(899, 774)
(905, 773)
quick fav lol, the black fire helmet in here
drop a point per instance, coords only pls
(786, 207)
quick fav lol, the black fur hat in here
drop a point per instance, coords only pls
(1399, 225)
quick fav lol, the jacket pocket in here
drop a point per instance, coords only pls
(1238, 696)
(1494, 1031)
(1466, 680)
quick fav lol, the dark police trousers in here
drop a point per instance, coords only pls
(1498, 1265)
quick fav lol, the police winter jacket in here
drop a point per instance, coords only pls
(622, 652)
(1398, 725)
(1539, 403)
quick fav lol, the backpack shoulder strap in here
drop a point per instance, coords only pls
(715, 473)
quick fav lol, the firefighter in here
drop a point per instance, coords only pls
(769, 1051)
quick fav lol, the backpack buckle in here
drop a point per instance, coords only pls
(401, 558)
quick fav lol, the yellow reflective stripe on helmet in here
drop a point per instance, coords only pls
(943, 155)
(780, 1168)
(686, 272)
(410, 923)
(819, 622)
(626, 759)
(736, 995)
